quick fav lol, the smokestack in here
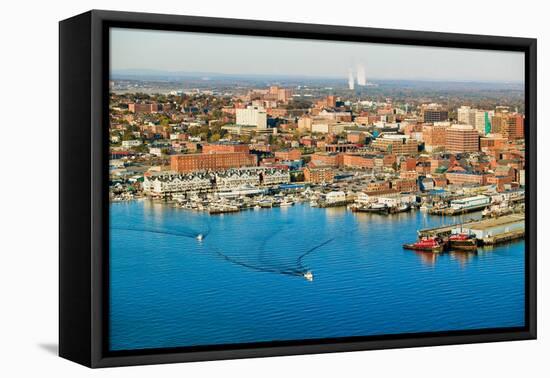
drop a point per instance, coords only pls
(361, 76)
(351, 82)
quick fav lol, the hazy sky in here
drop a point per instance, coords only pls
(214, 53)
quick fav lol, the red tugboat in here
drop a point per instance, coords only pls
(463, 242)
(432, 244)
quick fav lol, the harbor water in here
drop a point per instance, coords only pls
(244, 281)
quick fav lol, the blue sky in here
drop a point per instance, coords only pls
(226, 54)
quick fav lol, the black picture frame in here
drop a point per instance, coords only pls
(83, 181)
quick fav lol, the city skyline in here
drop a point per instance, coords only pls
(140, 50)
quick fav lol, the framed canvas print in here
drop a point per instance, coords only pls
(234, 188)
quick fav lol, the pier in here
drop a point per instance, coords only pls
(487, 231)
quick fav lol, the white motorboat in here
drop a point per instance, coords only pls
(286, 203)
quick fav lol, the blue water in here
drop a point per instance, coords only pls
(243, 282)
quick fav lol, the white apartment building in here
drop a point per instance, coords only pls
(163, 183)
(475, 117)
(236, 178)
(252, 116)
(276, 177)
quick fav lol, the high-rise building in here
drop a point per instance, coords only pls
(434, 136)
(434, 113)
(461, 139)
(482, 121)
(509, 125)
(465, 115)
(304, 123)
(280, 94)
(479, 119)
(252, 116)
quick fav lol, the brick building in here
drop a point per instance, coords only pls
(509, 125)
(358, 161)
(461, 139)
(434, 136)
(143, 108)
(492, 142)
(292, 154)
(466, 178)
(405, 185)
(318, 175)
(213, 148)
(340, 147)
(396, 144)
(326, 159)
(213, 161)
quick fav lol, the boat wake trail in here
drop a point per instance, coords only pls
(299, 260)
(258, 268)
(298, 269)
(283, 251)
(186, 233)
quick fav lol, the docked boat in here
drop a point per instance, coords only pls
(222, 210)
(463, 242)
(265, 203)
(374, 208)
(402, 208)
(428, 244)
(286, 203)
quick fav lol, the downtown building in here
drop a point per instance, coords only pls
(396, 144)
(279, 94)
(479, 119)
(509, 125)
(435, 136)
(434, 113)
(252, 116)
(461, 139)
